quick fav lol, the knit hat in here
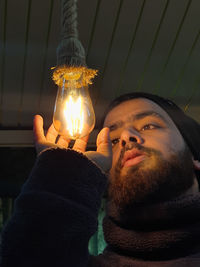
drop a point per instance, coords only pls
(188, 127)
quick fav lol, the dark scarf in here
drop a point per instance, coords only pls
(156, 232)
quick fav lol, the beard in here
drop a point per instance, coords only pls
(153, 180)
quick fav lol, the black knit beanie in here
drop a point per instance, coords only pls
(188, 127)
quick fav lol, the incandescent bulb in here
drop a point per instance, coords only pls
(73, 113)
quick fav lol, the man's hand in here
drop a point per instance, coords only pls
(43, 141)
(102, 157)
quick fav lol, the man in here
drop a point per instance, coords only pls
(153, 207)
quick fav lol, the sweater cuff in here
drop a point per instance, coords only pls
(69, 174)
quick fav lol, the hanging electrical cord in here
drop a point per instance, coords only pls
(73, 113)
(70, 52)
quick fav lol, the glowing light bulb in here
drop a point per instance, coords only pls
(73, 113)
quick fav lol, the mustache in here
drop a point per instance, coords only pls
(130, 146)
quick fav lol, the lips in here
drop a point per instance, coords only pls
(132, 157)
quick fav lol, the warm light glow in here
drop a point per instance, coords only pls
(73, 113)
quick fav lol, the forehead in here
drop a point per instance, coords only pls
(132, 107)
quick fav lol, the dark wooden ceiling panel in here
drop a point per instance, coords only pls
(14, 31)
(125, 29)
(138, 45)
(41, 57)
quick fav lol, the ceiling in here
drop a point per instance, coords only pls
(137, 45)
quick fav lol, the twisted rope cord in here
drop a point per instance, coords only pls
(69, 19)
(70, 52)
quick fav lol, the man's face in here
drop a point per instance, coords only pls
(150, 159)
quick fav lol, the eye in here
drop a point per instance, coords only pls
(149, 127)
(115, 141)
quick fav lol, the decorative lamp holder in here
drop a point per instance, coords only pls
(73, 112)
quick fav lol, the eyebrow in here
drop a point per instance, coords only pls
(136, 117)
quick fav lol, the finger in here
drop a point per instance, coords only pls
(104, 144)
(38, 130)
(51, 134)
(81, 144)
(63, 142)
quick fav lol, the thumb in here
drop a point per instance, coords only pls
(38, 130)
(104, 144)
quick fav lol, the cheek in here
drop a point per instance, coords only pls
(167, 144)
(175, 143)
(116, 154)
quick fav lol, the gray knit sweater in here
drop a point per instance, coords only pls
(56, 214)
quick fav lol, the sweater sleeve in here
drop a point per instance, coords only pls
(56, 212)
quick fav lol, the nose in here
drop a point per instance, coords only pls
(129, 136)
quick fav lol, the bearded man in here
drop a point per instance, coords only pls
(153, 206)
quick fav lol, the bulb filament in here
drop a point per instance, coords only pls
(73, 113)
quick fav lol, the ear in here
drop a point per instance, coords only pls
(196, 164)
